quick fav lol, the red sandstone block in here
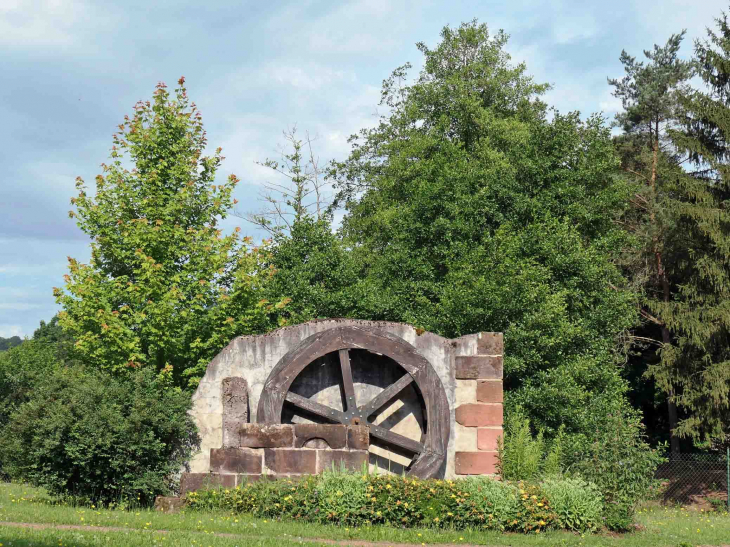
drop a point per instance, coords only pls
(236, 460)
(479, 414)
(489, 391)
(189, 482)
(487, 439)
(473, 367)
(358, 437)
(333, 435)
(291, 460)
(490, 343)
(266, 435)
(352, 460)
(475, 463)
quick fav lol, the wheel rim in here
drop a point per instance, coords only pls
(429, 453)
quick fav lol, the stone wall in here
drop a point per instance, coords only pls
(469, 368)
(282, 451)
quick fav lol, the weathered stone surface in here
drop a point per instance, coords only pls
(466, 392)
(189, 482)
(168, 504)
(352, 460)
(266, 435)
(234, 393)
(358, 437)
(254, 357)
(475, 463)
(489, 391)
(475, 367)
(479, 414)
(490, 343)
(334, 435)
(487, 438)
(236, 460)
(465, 438)
(290, 460)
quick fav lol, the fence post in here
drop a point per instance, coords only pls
(727, 478)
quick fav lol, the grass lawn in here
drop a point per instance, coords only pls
(143, 527)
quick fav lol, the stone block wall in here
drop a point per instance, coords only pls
(469, 368)
(478, 412)
(282, 450)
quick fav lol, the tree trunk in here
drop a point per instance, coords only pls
(662, 276)
(666, 340)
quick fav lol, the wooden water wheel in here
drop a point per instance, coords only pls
(405, 370)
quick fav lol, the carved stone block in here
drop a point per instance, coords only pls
(234, 391)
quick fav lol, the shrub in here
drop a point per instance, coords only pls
(524, 457)
(85, 434)
(577, 504)
(619, 462)
(355, 500)
(490, 497)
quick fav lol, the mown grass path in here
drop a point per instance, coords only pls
(28, 517)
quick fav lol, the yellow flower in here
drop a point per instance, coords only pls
(534, 497)
(542, 522)
(436, 519)
(539, 504)
(387, 486)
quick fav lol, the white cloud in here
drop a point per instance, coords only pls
(39, 22)
(8, 331)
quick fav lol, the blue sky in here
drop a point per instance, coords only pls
(71, 69)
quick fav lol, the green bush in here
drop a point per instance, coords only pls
(357, 500)
(524, 457)
(86, 434)
(577, 504)
(618, 461)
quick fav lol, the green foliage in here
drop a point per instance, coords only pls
(87, 434)
(577, 504)
(696, 365)
(165, 288)
(315, 270)
(524, 457)
(617, 459)
(613, 457)
(470, 209)
(20, 369)
(479, 503)
(9, 343)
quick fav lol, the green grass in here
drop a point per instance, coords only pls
(18, 503)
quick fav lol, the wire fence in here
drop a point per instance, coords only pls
(696, 478)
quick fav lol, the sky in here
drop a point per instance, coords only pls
(71, 69)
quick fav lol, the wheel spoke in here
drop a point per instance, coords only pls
(396, 439)
(386, 395)
(351, 402)
(314, 407)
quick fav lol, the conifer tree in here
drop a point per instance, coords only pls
(649, 93)
(696, 364)
(165, 288)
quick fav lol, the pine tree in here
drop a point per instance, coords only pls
(697, 362)
(649, 93)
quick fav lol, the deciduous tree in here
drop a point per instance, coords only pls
(165, 287)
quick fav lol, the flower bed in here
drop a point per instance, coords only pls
(357, 500)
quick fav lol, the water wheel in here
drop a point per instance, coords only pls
(356, 375)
